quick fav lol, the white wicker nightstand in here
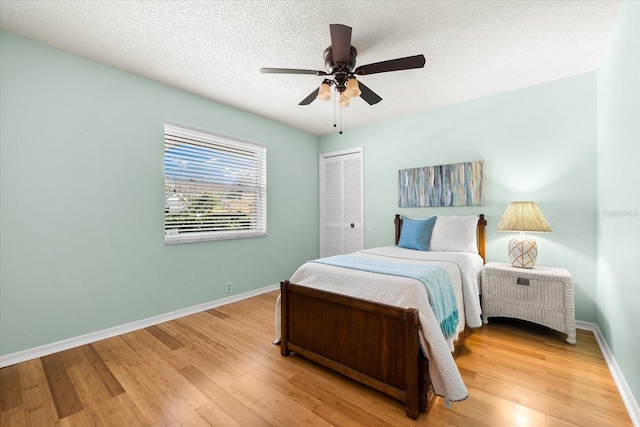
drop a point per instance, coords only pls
(542, 295)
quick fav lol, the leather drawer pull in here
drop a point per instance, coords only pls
(522, 281)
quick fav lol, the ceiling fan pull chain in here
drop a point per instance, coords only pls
(334, 112)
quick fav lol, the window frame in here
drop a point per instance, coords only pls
(243, 171)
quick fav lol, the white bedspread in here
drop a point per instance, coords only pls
(470, 266)
(464, 271)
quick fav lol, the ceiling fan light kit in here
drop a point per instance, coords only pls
(345, 101)
(340, 63)
(324, 93)
(353, 90)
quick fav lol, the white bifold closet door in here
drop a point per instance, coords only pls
(341, 202)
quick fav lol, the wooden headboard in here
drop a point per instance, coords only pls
(479, 233)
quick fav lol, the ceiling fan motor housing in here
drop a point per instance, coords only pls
(340, 71)
(332, 67)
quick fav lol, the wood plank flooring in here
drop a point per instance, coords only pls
(219, 368)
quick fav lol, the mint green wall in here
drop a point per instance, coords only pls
(619, 193)
(539, 143)
(82, 199)
(81, 183)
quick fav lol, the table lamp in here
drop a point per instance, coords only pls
(523, 217)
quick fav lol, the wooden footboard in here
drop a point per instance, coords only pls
(372, 343)
(375, 344)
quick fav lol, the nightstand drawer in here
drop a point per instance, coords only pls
(525, 291)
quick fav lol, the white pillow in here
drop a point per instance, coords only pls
(455, 234)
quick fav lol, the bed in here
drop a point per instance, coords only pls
(380, 329)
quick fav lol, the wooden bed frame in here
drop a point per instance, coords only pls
(375, 344)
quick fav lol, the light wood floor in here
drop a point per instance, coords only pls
(220, 368)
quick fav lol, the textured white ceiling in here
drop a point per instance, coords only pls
(216, 48)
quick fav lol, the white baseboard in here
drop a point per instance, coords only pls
(33, 353)
(627, 396)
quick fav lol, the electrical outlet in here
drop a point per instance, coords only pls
(228, 286)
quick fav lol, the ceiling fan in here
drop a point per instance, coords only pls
(339, 61)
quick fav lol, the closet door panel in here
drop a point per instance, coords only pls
(352, 206)
(341, 203)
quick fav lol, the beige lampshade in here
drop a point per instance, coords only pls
(523, 216)
(324, 94)
(353, 89)
(344, 100)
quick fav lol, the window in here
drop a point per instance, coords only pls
(215, 187)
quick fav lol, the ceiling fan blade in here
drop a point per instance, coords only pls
(291, 71)
(368, 95)
(407, 63)
(309, 99)
(340, 43)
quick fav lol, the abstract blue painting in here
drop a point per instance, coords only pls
(458, 184)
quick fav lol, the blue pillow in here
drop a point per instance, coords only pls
(416, 233)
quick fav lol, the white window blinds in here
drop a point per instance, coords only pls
(215, 187)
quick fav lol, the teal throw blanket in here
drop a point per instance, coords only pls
(435, 279)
